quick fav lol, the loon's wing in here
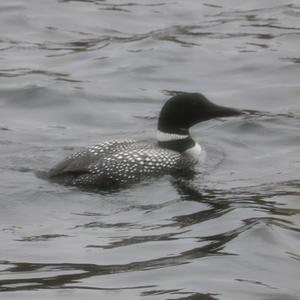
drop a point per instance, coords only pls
(80, 161)
(130, 165)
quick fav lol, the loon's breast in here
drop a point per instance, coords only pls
(118, 162)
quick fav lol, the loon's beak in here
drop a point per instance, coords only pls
(223, 111)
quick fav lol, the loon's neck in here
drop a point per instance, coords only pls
(174, 141)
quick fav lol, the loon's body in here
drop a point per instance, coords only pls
(121, 162)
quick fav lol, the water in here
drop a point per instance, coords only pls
(74, 73)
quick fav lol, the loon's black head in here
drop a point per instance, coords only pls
(187, 109)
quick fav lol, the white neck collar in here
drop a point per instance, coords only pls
(167, 137)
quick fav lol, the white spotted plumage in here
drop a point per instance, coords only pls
(118, 162)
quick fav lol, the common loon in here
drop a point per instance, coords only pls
(125, 161)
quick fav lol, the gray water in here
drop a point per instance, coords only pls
(75, 73)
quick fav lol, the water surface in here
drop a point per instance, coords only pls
(74, 73)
